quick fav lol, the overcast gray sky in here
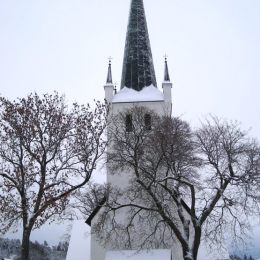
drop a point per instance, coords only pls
(63, 45)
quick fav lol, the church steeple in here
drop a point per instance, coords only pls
(109, 86)
(138, 70)
(109, 73)
(166, 71)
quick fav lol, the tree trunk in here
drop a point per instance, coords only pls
(196, 243)
(188, 255)
(193, 254)
(26, 244)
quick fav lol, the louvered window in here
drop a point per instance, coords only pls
(147, 121)
(129, 123)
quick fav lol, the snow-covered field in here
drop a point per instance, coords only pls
(162, 254)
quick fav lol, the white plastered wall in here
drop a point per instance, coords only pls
(97, 251)
(161, 107)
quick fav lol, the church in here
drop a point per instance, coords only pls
(138, 88)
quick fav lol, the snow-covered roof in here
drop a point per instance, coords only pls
(156, 254)
(150, 93)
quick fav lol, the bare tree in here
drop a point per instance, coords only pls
(185, 185)
(47, 152)
(89, 198)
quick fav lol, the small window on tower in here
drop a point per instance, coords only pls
(128, 123)
(147, 121)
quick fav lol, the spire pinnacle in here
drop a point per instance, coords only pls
(138, 70)
(166, 71)
(109, 72)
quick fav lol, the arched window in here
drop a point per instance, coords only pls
(147, 121)
(128, 123)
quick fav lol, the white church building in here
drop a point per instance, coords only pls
(138, 88)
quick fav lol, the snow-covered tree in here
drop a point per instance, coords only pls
(47, 152)
(185, 185)
(235, 257)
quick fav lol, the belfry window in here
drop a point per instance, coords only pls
(128, 123)
(147, 121)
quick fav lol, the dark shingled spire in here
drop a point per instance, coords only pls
(109, 74)
(166, 71)
(138, 70)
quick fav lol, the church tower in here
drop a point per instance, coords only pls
(138, 88)
(138, 70)
(138, 82)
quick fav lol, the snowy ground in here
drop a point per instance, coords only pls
(79, 248)
(162, 254)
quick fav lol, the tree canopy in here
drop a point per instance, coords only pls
(184, 185)
(47, 152)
